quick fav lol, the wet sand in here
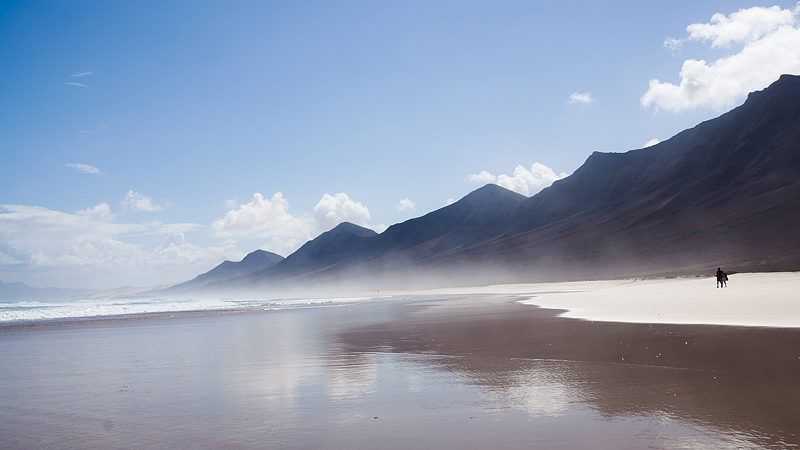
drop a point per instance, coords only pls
(469, 372)
(734, 382)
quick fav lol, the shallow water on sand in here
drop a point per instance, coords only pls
(357, 377)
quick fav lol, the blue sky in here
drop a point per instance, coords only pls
(145, 142)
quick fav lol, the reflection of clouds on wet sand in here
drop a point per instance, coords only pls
(350, 375)
(540, 388)
(622, 403)
(348, 378)
(270, 363)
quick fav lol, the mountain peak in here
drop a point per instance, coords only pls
(254, 261)
(348, 227)
(259, 255)
(490, 192)
(785, 90)
(786, 81)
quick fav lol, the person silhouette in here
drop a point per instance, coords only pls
(720, 276)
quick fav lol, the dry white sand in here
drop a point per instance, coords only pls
(751, 299)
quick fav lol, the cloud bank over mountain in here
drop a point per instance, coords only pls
(763, 43)
(335, 209)
(267, 219)
(524, 181)
(283, 231)
(54, 247)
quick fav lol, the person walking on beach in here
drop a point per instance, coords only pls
(720, 276)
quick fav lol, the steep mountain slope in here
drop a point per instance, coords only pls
(472, 219)
(752, 149)
(724, 192)
(253, 262)
(326, 250)
(349, 248)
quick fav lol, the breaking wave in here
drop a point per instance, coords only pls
(39, 311)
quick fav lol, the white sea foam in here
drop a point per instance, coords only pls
(35, 311)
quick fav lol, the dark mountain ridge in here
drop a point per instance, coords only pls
(252, 262)
(748, 146)
(722, 193)
(328, 249)
(347, 245)
(474, 217)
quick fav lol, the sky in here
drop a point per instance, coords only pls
(145, 142)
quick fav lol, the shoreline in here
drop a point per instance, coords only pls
(166, 315)
(750, 300)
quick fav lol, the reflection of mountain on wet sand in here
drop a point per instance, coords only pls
(738, 384)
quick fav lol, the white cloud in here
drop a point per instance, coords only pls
(770, 39)
(85, 168)
(745, 25)
(100, 213)
(482, 178)
(266, 219)
(405, 204)
(449, 201)
(285, 232)
(335, 209)
(89, 249)
(581, 98)
(81, 74)
(674, 45)
(524, 181)
(529, 182)
(78, 84)
(84, 131)
(651, 142)
(138, 202)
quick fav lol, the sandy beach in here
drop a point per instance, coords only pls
(465, 368)
(751, 299)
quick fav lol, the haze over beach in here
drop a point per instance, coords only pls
(325, 224)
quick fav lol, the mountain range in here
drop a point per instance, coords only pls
(22, 292)
(725, 193)
(255, 261)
